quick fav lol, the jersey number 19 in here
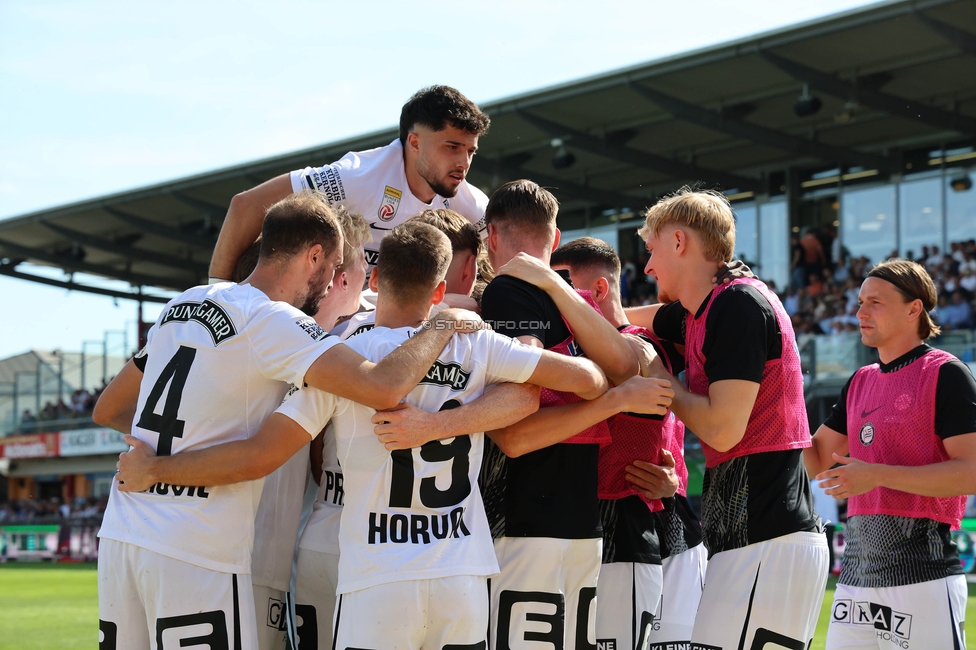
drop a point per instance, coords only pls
(456, 452)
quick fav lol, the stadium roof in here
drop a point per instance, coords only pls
(893, 78)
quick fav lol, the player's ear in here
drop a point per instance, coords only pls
(601, 287)
(314, 255)
(374, 281)
(916, 309)
(413, 142)
(555, 241)
(439, 293)
(470, 268)
(679, 239)
(492, 238)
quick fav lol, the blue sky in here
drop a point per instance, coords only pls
(100, 97)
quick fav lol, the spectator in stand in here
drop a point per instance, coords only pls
(967, 281)
(798, 275)
(956, 315)
(813, 254)
(814, 285)
(791, 303)
(969, 262)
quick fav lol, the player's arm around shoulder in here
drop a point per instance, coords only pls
(344, 372)
(552, 425)
(283, 434)
(116, 406)
(593, 332)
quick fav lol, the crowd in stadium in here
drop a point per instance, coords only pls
(822, 297)
(80, 405)
(53, 510)
(822, 294)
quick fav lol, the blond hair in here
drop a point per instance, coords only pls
(355, 232)
(706, 212)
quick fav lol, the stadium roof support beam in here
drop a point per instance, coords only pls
(573, 190)
(641, 159)
(716, 121)
(74, 286)
(212, 210)
(73, 265)
(900, 106)
(160, 230)
(195, 269)
(965, 41)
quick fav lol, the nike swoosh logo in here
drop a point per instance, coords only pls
(864, 414)
(375, 227)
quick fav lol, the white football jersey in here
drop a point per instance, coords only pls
(219, 360)
(277, 521)
(321, 532)
(373, 183)
(414, 514)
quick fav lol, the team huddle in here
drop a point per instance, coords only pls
(497, 446)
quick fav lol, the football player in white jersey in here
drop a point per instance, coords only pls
(447, 535)
(279, 513)
(318, 554)
(466, 250)
(424, 168)
(218, 361)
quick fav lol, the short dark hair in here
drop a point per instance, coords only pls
(523, 206)
(297, 223)
(588, 253)
(462, 233)
(437, 106)
(413, 259)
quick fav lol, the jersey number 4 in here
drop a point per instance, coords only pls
(167, 425)
(401, 485)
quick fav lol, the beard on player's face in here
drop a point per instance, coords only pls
(316, 289)
(440, 185)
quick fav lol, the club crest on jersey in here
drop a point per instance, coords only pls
(391, 201)
(867, 434)
(208, 313)
(447, 374)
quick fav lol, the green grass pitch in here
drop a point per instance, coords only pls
(55, 607)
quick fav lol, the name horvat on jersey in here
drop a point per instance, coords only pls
(327, 181)
(447, 374)
(416, 528)
(208, 313)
